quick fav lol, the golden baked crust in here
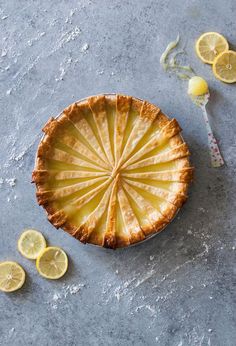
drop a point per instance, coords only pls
(111, 170)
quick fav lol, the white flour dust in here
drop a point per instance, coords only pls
(70, 36)
(35, 39)
(71, 14)
(130, 288)
(8, 92)
(9, 181)
(59, 297)
(4, 53)
(100, 72)
(18, 157)
(146, 277)
(11, 331)
(148, 307)
(84, 48)
(64, 67)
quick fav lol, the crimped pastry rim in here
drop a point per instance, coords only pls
(148, 237)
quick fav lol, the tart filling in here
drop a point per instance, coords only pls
(112, 170)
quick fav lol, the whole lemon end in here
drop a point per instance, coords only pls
(197, 86)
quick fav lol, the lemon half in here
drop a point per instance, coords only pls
(210, 45)
(224, 67)
(52, 263)
(12, 276)
(31, 243)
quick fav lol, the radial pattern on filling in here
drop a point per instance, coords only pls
(112, 170)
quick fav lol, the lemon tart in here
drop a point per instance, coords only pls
(112, 170)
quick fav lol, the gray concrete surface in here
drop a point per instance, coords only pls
(177, 289)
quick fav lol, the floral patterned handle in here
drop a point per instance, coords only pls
(216, 158)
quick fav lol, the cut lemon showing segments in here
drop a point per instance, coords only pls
(31, 243)
(12, 276)
(52, 263)
(224, 67)
(210, 45)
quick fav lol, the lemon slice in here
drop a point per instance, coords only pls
(31, 243)
(52, 263)
(210, 45)
(224, 67)
(12, 276)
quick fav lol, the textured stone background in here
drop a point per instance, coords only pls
(177, 289)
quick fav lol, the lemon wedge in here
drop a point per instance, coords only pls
(12, 276)
(210, 45)
(224, 67)
(197, 86)
(31, 243)
(52, 263)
